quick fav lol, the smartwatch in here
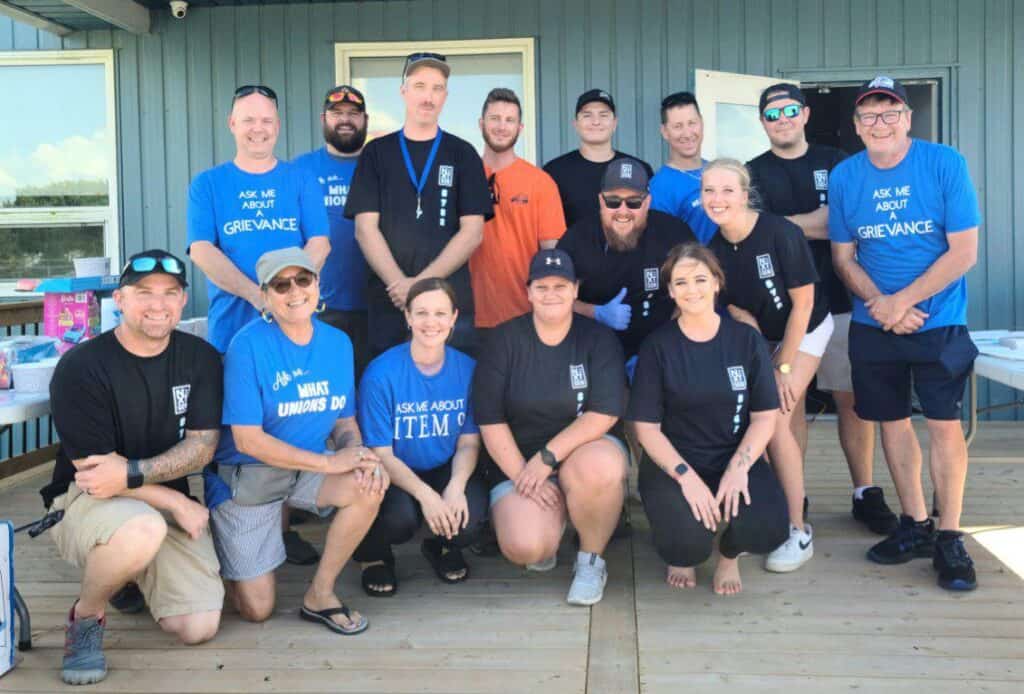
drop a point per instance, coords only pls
(548, 458)
(135, 477)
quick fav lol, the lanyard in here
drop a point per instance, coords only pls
(419, 181)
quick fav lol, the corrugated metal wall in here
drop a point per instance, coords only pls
(173, 85)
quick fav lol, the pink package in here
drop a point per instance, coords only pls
(75, 312)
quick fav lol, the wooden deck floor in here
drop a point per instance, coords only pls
(840, 623)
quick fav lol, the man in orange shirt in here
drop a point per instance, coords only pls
(527, 216)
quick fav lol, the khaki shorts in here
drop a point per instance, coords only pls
(183, 578)
(834, 370)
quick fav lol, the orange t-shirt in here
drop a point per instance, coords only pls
(528, 211)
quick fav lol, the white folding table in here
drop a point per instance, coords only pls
(999, 365)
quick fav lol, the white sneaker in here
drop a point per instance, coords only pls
(794, 552)
(589, 577)
(544, 565)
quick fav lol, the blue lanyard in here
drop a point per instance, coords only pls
(418, 182)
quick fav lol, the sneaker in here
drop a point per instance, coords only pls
(129, 599)
(84, 662)
(955, 567)
(910, 540)
(873, 512)
(298, 551)
(544, 565)
(793, 553)
(589, 577)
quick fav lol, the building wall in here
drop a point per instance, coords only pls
(174, 84)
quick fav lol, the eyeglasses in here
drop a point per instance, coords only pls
(417, 57)
(789, 111)
(888, 117)
(147, 264)
(282, 285)
(492, 185)
(247, 89)
(614, 202)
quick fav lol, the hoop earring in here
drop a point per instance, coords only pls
(266, 316)
(321, 307)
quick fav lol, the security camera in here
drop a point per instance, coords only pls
(179, 8)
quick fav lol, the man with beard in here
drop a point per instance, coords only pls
(343, 277)
(618, 254)
(527, 215)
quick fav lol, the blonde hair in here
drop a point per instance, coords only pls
(742, 173)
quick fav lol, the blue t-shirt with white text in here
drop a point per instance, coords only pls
(343, 277)
(677, 193)
(421, 417)
(899, 219)
(245, 215)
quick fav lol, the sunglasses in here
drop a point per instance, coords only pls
(791, 111)
(417, 57)
(147, 264)
(247, 89)
(345, 95)
(492, 185)
(281, 285)
(614, 202)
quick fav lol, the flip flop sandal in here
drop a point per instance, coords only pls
(324, 617)
(377, 575)
(444, 564)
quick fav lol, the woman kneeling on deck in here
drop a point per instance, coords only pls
(705, 406)
(289, 394)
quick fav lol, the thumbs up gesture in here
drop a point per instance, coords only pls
(615, 314)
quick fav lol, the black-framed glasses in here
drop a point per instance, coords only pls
(282, 285)
(148, 264)
(789, 111)
(614, 202)
(492, 185)
(888, 117)
(413, 58)
(247, 89)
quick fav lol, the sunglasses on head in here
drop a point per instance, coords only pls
(492, 185)
(247, 89)
(345, 95)
(614, 202)
(417, 57)
(147, 264)
(790, 111)
(282, 285)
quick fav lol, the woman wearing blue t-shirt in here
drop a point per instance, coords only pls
(415, 412)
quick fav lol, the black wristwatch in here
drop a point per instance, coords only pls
(135, 477)
(681, 469)
(548, 458)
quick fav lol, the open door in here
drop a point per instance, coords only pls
(732, 124)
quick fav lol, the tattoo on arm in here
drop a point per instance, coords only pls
(745, 458)
(346, 434)
(188, 455)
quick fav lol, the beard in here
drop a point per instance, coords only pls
(624, 244)
(496, 148)
(346, 144)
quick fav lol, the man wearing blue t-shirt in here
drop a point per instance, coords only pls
(343, 277)
(245, 207)
(903, 220)
(675, 189)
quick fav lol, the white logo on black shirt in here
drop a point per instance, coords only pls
(764, 266)
(445, 175)
(577, 376)
(651, 279)
(737, 377)
(821, 179)
(180, 395)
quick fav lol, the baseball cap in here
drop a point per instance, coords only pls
(551, 262)
(883, 85)
(782, 90)
(415, 60)
(345, 94)
(624, 173)
(151, 262)
(592, 95)
(272, 262)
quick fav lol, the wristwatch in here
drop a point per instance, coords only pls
(548, 458)
(135, 477)
(784, 369)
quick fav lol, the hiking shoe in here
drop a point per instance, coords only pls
(298, 551)
(544, 565)
(955, 567)
(589, 577)
(874, 513)
(910, 540)
(84, 662)
(793, 553)
(129, 599)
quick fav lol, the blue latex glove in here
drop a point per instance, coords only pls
(631, 368)
(615, 314)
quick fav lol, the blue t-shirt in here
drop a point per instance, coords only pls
(899, 219)
(677, 193)
(245, 215)
(343, 277)
(421, 417)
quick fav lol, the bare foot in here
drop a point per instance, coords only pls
(317, 602)
(727, 577)
(681, 576)
(378, 587)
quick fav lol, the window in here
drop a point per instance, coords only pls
(477, 67)
(58, 163)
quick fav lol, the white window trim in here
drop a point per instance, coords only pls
(58, 216)
(345, 52)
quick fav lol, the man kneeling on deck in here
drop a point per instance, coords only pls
(137, 409)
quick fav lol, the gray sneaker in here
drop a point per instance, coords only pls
(83, 650)
(589, 577)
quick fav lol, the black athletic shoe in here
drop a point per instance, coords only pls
(129, 599)
(298, 551)
(873, 512)
(908, 541)
(955, 567)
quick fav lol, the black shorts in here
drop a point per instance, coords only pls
(883, 365)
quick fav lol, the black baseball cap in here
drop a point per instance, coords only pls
(151, 262)
(884, 85)
(782, 90)
(626, 172)
(593, 95)
(551, 262)
(345, 94)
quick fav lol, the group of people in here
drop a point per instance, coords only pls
(405, 332)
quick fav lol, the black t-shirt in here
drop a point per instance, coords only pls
(761, 268)
(604, 272)
(702, 393)
(539, 390)
(455, 187)
(105, 399)
(579, 182)
(798, 186)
